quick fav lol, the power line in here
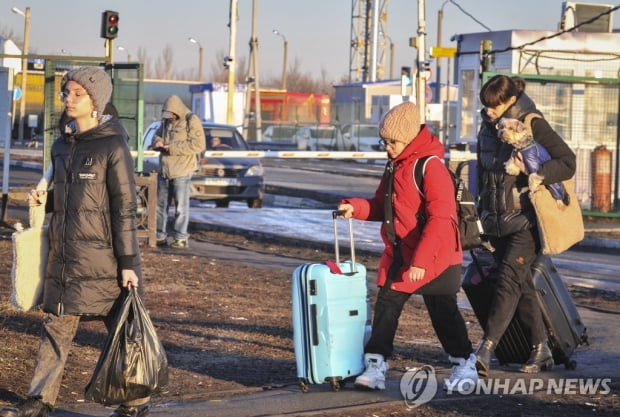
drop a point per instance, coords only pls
(470, 15)
(544, 38)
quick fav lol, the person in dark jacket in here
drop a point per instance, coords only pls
(422, 252)
(180, 139)
(509, 219)
(93, 252)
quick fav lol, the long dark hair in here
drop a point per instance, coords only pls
(500, 88)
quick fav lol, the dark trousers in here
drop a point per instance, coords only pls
(515, 292)
(443, 311)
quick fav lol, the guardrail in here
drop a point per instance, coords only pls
(453, 155)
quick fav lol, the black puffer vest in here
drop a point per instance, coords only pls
(504, 203)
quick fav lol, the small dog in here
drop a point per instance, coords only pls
(515, 133)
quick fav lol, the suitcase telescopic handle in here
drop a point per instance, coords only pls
(335, 215)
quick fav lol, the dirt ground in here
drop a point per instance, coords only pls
(226, 327)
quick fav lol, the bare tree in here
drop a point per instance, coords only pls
(142, 58)
(9, 33)
(242, 70)
(163, 65)
(299, 81)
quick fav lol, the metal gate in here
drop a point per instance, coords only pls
(585, 112)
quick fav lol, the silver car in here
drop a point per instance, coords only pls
(364, 136)
(220, 179)
(323, 138)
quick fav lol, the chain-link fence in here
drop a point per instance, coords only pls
(585, 112)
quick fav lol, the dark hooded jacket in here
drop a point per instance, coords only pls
(504, 202)
(92, 229)
(185, 136)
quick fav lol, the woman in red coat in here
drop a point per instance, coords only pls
(422, 247)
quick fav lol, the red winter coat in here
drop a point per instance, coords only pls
(434, 245)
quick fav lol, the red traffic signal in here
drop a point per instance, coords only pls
(109, 24)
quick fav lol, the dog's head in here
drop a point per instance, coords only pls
(513, 132)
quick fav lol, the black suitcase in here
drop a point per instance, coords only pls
(565, 329)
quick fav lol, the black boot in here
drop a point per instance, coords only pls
(31, 407)
(540, 359)
(484, 354)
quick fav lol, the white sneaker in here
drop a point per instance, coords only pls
(464, 376)
(374, 375)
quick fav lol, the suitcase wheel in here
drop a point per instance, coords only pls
(303, 386)
(336, 384)
(570, 365)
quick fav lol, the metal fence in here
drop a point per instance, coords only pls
(585, 112)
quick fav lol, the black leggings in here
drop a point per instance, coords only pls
(443, 311)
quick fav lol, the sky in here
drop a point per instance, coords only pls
(318, 32)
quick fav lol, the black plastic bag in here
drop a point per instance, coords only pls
(133, 362)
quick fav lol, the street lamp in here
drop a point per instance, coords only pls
(22, 103)
(200, 52)
(278, 33)
(121, 48)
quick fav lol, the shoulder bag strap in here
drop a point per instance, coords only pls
(419, 168)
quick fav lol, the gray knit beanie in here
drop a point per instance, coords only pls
(95, 81)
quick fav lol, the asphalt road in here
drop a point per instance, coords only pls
(600, 359)
(318, 185)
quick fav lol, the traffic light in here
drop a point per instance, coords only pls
(405, 72)
(405, 75)
(109, 24)
(405, 80)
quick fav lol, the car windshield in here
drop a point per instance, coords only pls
(362, 130)
(323, 133)
(221, 139)
(281, 133)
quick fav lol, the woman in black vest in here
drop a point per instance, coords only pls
(509, 219)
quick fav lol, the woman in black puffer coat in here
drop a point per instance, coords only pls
(94, 249)
(93, 226)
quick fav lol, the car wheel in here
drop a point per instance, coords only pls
(255, 203)
(222, 203)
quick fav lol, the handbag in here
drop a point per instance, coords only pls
(133, 363)
(559, 226)
(30, 249)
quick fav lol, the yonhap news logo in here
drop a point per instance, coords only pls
(419, 386)
(523, 386)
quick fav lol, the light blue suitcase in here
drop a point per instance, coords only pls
(331, 319)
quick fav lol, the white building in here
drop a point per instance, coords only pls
(573, 77)
(7, 46)
(572, 54)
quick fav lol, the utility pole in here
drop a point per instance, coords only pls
(374, 40)
(253, 80)
(366, 63)
(230, 61)
(438, 62)
(422, 73)
(24, 83)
